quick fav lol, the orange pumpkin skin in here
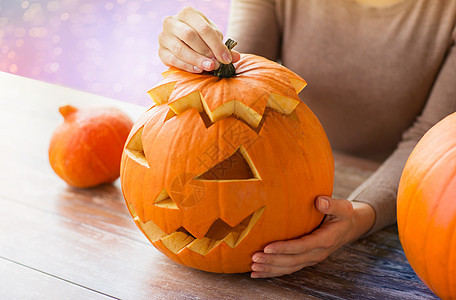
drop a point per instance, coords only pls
(85, 150)
(175, 160)
(426, 208)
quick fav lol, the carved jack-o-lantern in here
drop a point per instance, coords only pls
(220, 167)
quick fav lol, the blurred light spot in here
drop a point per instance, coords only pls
(54, 67)
(55, 39)
(34, 15)
(86, 8)
(53, 6)
(19, 43)
(51, 68)
(5, 49)
(64, 16)
(12, 68)
(11, 55)
(117, 87)
(25, 4)
(2, 33)
(58, 51)
(20, 32)
(134, 19)
(109, 6)
(121, 1)
(38, 32)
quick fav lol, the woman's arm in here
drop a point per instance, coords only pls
(374, 202)
(380, 190)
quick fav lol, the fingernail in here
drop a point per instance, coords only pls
(226, 58)
(323, 203)
(258, 259)
(216, 63)
(196, 69)
(270, 250)
(257, 267)
(254, 275)
(207, 65)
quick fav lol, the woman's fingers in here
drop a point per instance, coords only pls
(196, 52)
(235, 55)
(296, 246)
(336, 207)
(290, 260)
(265, 270)
(207, 31)
(183, 52)
(190, 38)
(284, 257)
(169, 59)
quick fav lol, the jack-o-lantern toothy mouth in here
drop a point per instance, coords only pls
(218, 232)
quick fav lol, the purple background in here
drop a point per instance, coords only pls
(103, 47)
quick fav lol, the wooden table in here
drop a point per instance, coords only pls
(57, 242)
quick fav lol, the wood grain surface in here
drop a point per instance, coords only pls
(58, 242)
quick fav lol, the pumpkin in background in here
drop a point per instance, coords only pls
(426, 208)
(222, 166)
(85, 150)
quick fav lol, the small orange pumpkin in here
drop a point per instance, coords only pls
(85, 150)
(426, 208)
(222, 166)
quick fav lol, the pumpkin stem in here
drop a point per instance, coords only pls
(67, 110)
(227, 71)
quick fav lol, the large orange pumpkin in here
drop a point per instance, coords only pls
(220, 167)
(426, 208)
(85, 150)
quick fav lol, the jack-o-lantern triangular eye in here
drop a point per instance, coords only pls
(238, 166)
(164, 200)
(135, 149)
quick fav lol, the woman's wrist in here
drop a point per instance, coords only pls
(363, 219)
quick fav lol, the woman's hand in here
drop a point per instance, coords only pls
(192, 42)
(345, 221)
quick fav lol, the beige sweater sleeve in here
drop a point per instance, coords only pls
(380, 190)
(254, 25)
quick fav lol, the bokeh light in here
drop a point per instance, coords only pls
(105, 47)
